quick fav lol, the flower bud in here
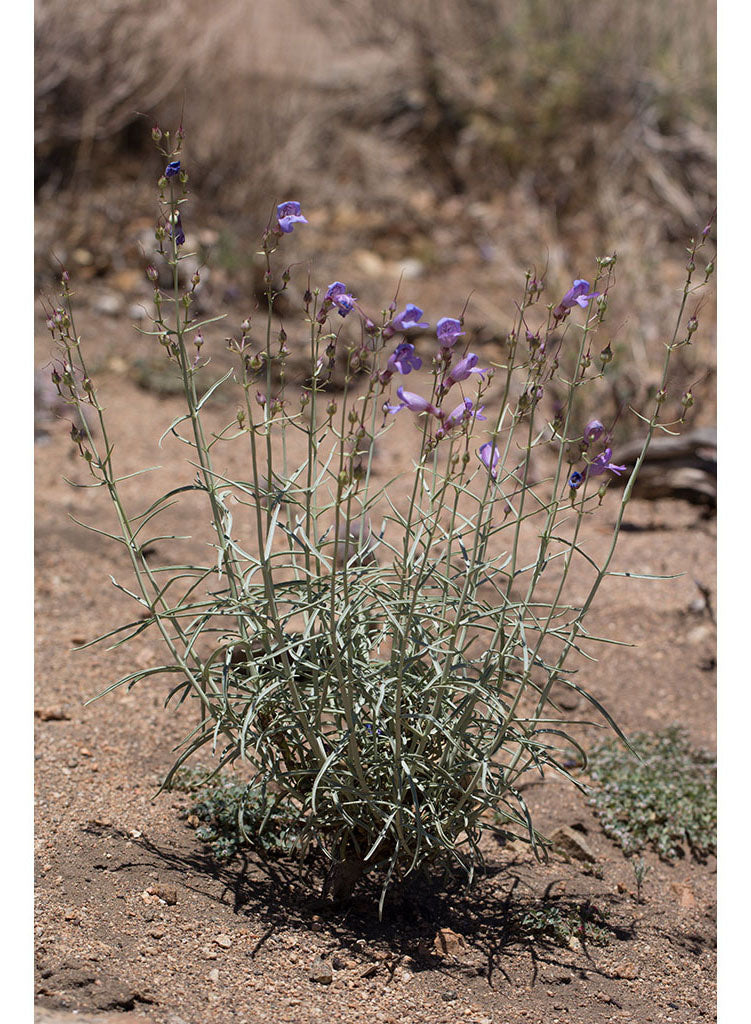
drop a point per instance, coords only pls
(606, 355)
(152, 273)
(331, 408)
(688, 399)
(692, 325)
(156, 133)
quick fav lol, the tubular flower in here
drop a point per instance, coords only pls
(596, 467)
(489, 456)
(176, 229)
(409, 400)
(463, 369)
(448, 330)
(461, 413)
(593, 431)
(288, 214)
(403, 359)
(411, 316)
(578, 295)
(172, 169)
(602, 463)
(338, 296)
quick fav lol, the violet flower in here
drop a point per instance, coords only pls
(489, 456)
(463, 412)
(288, 214)
(448, 330)
(578, 295)
(172, 169)
(409, 400)
(596, 467)
(593, 431)
(176, 228)
(404, 359)
(411, 316)
(337, 295)
(602, 463)
(463, 369)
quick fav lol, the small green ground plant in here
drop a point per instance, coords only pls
(663, 795)
(234, 815)
(380, 653)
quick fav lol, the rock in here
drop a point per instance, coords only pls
(214, 974)
(684, 894)
(628, 971)
(338, 964)
(449, 997)
(224, 941)
(449, 943)
(51, 715)
(168, 893)
(321, 972)
(572, 844)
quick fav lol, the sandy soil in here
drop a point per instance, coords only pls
(134, 920)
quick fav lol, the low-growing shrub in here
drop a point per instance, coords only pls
(384, 661)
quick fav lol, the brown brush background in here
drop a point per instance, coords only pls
(458, 142)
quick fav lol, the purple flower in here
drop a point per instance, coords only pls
(575, 480)
(409, 400)
(337, 295)
(462, 412)
(448, 331)
(602, 463)
(409, 317)
(288, 214)
(593, 431)
(403, 359)
(172, 169)
(489, 456)
(578, 295)
(176, 228)
(463, 369)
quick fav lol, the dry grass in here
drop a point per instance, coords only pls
(550, 130)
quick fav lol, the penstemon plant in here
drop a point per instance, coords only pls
(388, 671)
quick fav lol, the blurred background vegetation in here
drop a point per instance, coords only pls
(454, 142)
